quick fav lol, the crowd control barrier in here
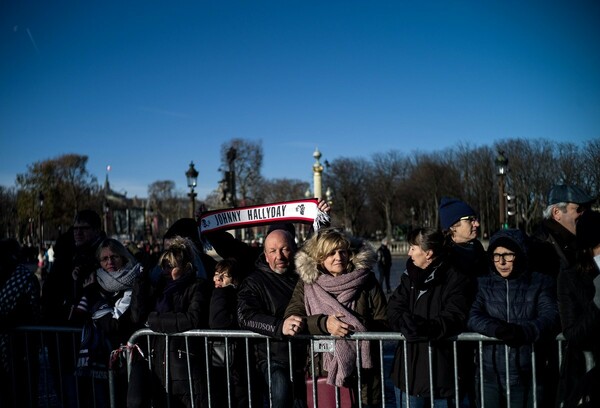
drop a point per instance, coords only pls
(42, 357)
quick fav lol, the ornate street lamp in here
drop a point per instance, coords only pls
(192, 178)
(502, 169)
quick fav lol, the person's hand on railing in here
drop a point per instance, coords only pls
(510, 333)
(417, 328)
(293, 325)
(338, 328)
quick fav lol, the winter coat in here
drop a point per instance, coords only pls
(552, 248)
(442, 301)
(262, 299)
(189, 311)
(580, 320)
(370, 310)
(527, 300)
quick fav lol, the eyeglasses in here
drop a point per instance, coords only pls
(470, 218)
(113, 258)
(508, 257)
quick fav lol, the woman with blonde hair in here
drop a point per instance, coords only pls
(179, 302)
(338, 294)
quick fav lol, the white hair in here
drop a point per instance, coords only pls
(547, 214)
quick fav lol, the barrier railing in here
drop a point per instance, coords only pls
(46, 369)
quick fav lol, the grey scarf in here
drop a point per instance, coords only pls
(119, 280)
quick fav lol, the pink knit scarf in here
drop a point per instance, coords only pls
(332, 295)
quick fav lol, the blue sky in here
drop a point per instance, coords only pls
(146, 87)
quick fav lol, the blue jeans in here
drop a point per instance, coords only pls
(419, 402)
(280, 385)
(495, 395)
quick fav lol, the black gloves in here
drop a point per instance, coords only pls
(417, 328)
(512, 334)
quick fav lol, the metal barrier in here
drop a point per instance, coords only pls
(53, 350)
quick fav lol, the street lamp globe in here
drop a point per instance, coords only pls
(501, 163)
(192, 176)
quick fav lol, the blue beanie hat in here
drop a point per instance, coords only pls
(452, 210)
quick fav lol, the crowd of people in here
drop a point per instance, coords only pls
(522, 290)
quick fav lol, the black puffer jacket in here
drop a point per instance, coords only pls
(441, 300)
(262, 299)
(525, 298)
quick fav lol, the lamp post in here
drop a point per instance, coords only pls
(192, 178)
(41, 200)
(502, 168)
(106, 210)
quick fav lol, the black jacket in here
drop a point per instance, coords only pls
(442, 301)
(580, 319)
(552, 248)
(262, 299)
(189, 311)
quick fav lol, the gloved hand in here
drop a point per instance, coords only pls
(510, 333)
(418, 327)
(597, 295)
(409, 328)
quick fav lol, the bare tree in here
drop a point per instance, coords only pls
(271, 191)
(475, 166)
(165, 202)
(387, 172)
(432, 177)
(591, 166)
(241, 163)
(8, 212)
(569, 162)
(348, 177)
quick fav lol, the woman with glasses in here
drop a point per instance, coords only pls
(519, 308)
(338, 294)
(177, 303)
(429, 305)
(104, 310)
(460, 225)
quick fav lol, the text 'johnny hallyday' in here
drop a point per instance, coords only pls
(253, 214)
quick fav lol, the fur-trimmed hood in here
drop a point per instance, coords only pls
(362, 256)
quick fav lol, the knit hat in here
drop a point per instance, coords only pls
(451, 210)
(588, 229)
(512, 239)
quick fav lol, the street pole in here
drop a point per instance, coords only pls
(502, 168)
